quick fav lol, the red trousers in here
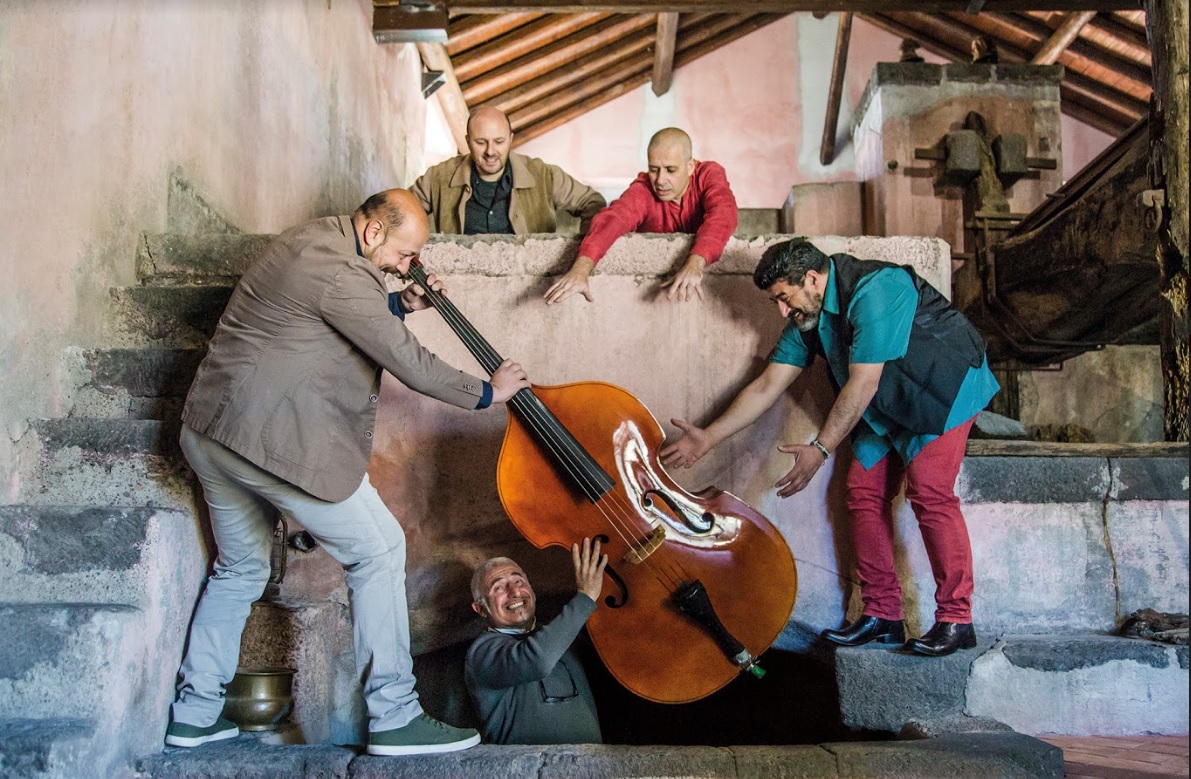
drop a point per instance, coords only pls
(930, 489)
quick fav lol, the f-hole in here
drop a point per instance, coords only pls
(611, 601)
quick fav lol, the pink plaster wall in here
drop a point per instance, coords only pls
(757, 107)
(275, 112)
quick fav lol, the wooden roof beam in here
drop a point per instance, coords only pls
(961, 29)
(775, 6)
(1077, 106)
(1058, 42)
(569, 72)
(524, 40)
(468, 32)
(449, 95)
(625, 70)
(608, 35)
(687, 53)
(1081, 55)
(835, 90)
(663, 53)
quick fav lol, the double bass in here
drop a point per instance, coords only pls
(700, 584)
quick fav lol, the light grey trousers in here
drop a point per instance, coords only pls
(359, 532)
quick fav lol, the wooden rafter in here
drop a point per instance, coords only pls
(540, 66)
(663, 53)
(449, 95)
(527, 40)
(605, 35)
(776, 6)
(472, 30)
(1076, 103)
(688, 51)
(576, 71)
(1057, 43)
(836, 89)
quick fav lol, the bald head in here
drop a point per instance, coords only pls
(392, 228)
(670, 164)
(489, 139)
(486, 115)
(671, 137)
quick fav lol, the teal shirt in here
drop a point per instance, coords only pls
(881, 314)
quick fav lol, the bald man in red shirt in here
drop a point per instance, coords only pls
(678, 194)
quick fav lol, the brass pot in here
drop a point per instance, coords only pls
(260, 698)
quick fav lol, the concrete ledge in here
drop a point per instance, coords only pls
(960, 755)
(648, 254)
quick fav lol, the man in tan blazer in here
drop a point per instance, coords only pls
(280, 417)
(494, 190)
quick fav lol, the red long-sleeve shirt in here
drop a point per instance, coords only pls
(707, 209)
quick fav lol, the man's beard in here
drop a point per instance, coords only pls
(806, 324)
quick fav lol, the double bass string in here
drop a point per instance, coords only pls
(558, 444)
(490, 360)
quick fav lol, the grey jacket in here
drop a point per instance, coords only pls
(292, 375)
(531, 688)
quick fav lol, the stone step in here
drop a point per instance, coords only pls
(55, 748)
(197, 259)
(182, 317)
(104, 462)
(113, 555)
(1069, 685)
(140, 383)
(67, 659)
(98, 662)
(952, 755)
(1082, 685)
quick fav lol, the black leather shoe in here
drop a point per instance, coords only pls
(866, 629)
(943, 639)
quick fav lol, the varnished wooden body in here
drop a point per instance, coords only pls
(648, 645)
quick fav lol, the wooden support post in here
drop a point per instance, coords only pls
(449, 95)
(1167, 28)
(1063, 37)
(663, 53)
(836, 90)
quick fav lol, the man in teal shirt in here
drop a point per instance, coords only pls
(911, 375)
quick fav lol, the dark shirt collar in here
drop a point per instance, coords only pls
(503, 184)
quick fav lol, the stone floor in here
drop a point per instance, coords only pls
(1122, 757)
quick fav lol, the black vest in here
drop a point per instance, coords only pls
(918, 390)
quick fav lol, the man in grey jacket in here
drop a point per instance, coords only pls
(280, 418)
(525, 681)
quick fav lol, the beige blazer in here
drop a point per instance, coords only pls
(291, 378)
(539, 190)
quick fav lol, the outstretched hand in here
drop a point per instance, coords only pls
(807, 462)
(589, 568)
(687, 450)
(574, 281)
(688, 282)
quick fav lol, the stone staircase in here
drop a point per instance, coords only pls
(102, 557)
